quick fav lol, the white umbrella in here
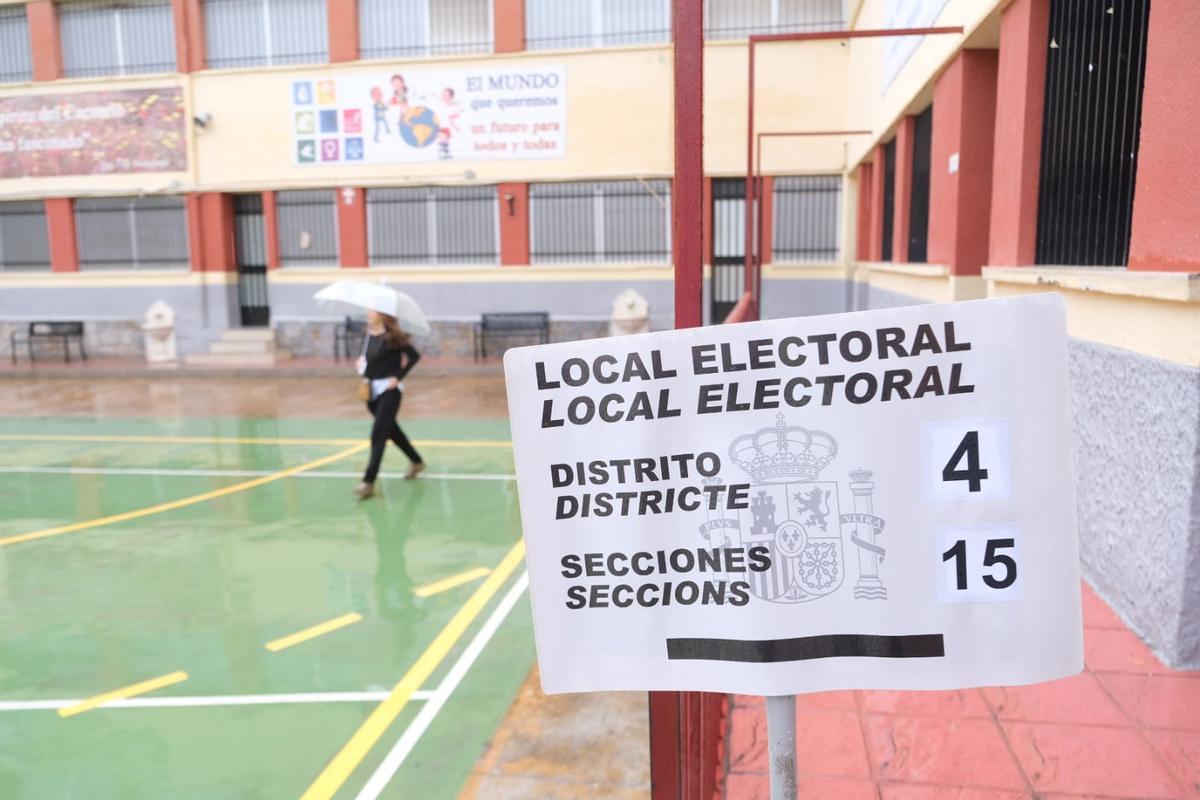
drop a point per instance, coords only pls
(377, 297)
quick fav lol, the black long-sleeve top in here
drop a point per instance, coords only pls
(388, 362)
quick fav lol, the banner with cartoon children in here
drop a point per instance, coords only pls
(403, 115)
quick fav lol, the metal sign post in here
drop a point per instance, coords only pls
(781, 746)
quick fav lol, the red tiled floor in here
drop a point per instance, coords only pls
(1158, 701)
(1181, 753)
(826, 701)
(1118, 651)
(1074, 759)
(965, 703)
(1080, 699)
(955, 752)
(1128, 728)
(830, 743)
(912, 791)
(1096, 613)
(748, 738)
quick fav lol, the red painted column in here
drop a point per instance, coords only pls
(271, 229)
(514, 224)
(875, 250)
(1167, 194)
(352, 227)
(902, 201)
(46, 47)
(1020, 89)
(508, 21)
(343, 30)
(217, 250)
(60, 226)
(195, 229)
(964, 118)
(767, 228)
(865, 224)
(189, 35)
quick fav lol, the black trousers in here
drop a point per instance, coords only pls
(385, 407)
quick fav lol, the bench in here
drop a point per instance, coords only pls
(510, 325)
(48, 331)
(348, 338)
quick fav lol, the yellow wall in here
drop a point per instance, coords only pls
(797, 87)
(619, 121)
(868, 106)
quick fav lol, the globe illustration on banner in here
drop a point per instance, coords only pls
(418, 126)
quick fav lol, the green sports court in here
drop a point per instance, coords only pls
(200, 608)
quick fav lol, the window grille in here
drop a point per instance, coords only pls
(600, 222)
(433, 225)
(131, 233)
(24, 239)
(130, 37)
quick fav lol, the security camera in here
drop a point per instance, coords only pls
(202, 119)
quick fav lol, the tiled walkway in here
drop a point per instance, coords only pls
(1127, 727)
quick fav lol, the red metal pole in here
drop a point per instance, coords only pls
(677, 755)
(748, 259)
(687, 206)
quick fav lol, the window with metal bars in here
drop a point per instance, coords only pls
(600, 222)
(24, 239)
(127, 37)
(740, 19)
(433, 225)
(387, 28)
(249, 33)
(889, 198)
(918, 207)
(131, 232)
(806, 218)
(307, 220)
(1095, 68)
(16, 60)
(562, 24)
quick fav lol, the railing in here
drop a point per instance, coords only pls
(139, 232)
(16, 60)
(433, 225)
(24, 239)
(563, 24)
(390, 29)
(807, 218)
(739, 19)
(246, 33)
(1095, 65)
(307, 220)
(130, 37)
(600, 222)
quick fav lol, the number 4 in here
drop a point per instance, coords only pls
(968, 447)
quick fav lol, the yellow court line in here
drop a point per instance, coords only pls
(311, 633)
(131, 439)
(446, 584)
(183, 502)
(354, 751)
(120, 694)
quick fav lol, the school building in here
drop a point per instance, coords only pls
(230, 157)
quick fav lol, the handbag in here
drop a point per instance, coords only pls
(364, 385)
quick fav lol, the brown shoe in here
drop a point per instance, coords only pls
(414, 470)
(364, 490)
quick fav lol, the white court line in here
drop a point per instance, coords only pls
(241, 473)
(216, 700)
(408, 740)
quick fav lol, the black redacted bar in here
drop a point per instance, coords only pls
(807, 648)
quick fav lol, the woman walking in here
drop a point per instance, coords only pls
(387, 357)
